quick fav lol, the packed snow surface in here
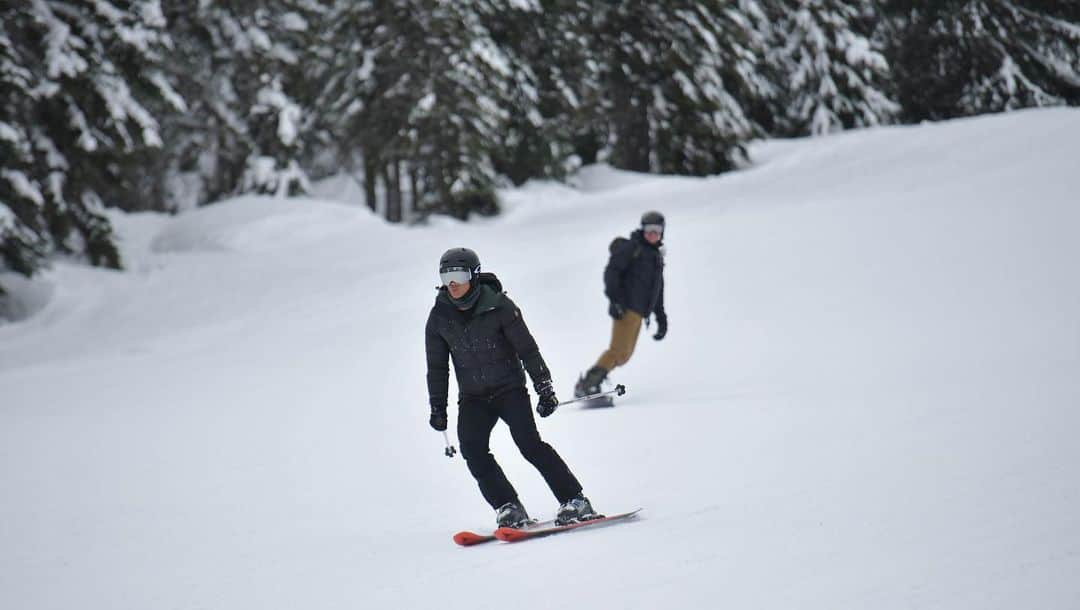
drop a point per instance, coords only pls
(869, 397)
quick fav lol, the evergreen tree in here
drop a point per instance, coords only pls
(24, 236)
(78, 78)
(423, 95)
(244, 73)
(836, 77)
(956, 58)
(705, 109)
(680, 80)
(278, 120)
(342, 72)
(553, 78)
(438, 102)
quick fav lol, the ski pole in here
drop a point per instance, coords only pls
(450, 451)
(618, 391)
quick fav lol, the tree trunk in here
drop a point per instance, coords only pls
(630, 115)
(414, 190)
(392, 177)
(371, 177)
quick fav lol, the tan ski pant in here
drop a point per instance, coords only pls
(624, 336)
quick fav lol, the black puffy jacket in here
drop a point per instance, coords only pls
(488, 343)
(634, 276)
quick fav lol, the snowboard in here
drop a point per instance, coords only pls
(602, 402)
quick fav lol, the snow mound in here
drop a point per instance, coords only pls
(257, 223)
(25, 297)
(601, 177)
(341, 188)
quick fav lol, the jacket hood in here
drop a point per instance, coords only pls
(489, 279)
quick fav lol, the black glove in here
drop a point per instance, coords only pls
(661, 326)
(615, 310)
(547, 402)
(438, 418)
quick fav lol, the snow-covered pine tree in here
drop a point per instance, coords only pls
(242, 69)
(207, 144)
(79, 80)
(343, 75)
(423, 94)
(547, 49)
(625, 51)
(24, 237)
(281, 35)
(680, 79)
(835, 75)
(704, 110)
(956, 58)
(467, 91)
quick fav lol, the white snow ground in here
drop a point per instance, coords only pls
(868, 398)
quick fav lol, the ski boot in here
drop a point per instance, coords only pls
(589, 383)
(574, 510)
(512, 515)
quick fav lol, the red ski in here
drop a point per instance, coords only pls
(509, 534)
(467, 538)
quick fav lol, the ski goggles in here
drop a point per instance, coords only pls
(653, 229)
(457, 275)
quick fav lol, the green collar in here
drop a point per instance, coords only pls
(487, 300)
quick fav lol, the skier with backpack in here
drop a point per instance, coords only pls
(483, 331)
(634, 286)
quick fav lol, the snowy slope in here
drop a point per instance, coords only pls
(867, 399)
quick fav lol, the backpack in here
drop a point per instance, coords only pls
(618, 243)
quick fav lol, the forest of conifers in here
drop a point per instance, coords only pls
(433, 104)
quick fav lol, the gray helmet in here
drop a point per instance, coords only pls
(460, 258)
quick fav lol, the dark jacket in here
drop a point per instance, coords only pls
(488, 342)
(634, 276)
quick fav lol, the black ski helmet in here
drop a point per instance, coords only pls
(460, 258)
(652, 218)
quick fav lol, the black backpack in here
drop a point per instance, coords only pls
(618, 243)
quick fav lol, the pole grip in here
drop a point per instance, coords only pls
(449, 451)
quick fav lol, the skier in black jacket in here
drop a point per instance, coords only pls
(634, 286)
(477, 325)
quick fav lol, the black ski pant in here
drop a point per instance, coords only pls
(477, 417)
